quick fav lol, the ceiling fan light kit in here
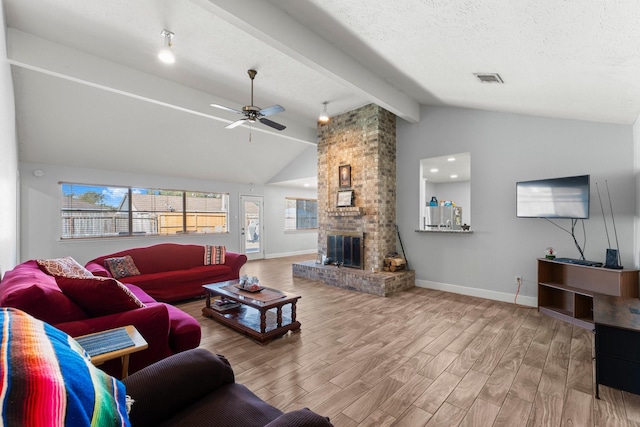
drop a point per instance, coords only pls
(252, 113)
(166, 54)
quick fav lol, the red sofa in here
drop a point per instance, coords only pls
(172, 272)
(167, 329)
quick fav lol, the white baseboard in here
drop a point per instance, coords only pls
(475, 292)
(286, 254)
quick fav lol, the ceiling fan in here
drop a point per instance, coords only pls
(252, 113)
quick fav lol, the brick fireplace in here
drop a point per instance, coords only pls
(364, 140)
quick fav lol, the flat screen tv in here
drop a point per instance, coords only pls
(553, 198)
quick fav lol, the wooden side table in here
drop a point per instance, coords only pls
(617, 342)
(139, 343)
(566, 291)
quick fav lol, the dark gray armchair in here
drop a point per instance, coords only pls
(198, 388)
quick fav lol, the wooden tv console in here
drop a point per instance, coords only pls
(565, 291)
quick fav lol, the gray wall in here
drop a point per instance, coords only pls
(40, 204)
(8, 162)
(506, 148)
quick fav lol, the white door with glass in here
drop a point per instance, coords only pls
(251, 226)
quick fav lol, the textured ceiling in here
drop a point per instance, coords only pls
(91, 65)
(570, 59)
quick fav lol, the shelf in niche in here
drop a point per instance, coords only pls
(445, 231)
(346, 211)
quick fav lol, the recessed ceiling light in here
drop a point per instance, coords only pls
(434, 170)
(451, 159)
(454, 176)
(489, 77)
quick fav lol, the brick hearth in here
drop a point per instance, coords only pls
(364, 139)
(381, 283)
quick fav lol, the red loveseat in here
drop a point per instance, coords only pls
(172, 272)
(167, 329)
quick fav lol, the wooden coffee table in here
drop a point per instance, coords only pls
(263, 315)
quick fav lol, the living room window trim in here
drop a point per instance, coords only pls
(288, 219)
(102, 210)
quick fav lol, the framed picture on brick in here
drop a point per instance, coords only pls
(345, 198)
(344, 172)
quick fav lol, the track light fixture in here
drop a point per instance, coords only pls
(166, 54)
(324, 117)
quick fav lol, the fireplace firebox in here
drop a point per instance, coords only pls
(346, 248)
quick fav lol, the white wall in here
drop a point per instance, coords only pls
(40, 204)
(636, 171)
(8, 161)
(285, 243)
(305, 165)
(506, 148)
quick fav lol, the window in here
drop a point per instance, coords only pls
(104, 211)
(300, 214)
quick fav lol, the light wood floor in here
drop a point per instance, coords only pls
(420, 358)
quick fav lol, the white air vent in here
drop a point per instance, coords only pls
(489, 77)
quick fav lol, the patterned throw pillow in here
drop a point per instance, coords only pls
(214, 254)
(67, 267)
(121, 266)
(48, 379)
(99, 296)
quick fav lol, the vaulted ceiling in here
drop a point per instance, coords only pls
(87, 78)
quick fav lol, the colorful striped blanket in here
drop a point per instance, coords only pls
(47, 379)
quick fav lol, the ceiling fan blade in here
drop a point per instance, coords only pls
(234, 124)
(271, 123)
(274, 109)
(222, 107)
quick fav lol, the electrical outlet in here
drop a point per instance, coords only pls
(518, 280)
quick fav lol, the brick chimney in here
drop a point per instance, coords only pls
(365, 140)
